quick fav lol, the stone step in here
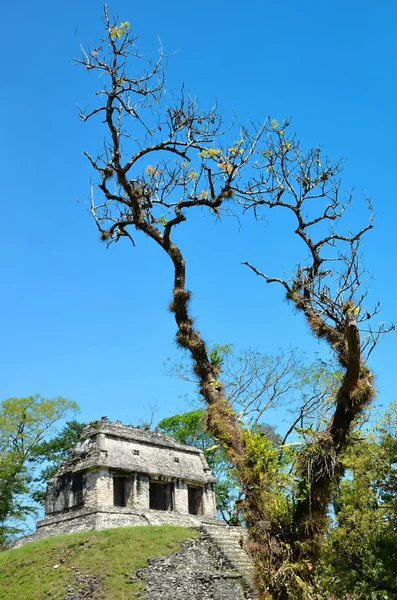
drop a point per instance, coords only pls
(228, 541)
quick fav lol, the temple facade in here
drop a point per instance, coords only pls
(120, 475)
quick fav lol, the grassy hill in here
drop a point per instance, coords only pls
(96, 564)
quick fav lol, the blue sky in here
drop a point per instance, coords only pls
(92, 324)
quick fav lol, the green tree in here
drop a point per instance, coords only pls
(189, 428)
(24, 423)
(360, 553)
(52, 453)
(13, 486)
(160, 162)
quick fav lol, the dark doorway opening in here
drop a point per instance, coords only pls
(161, 496)
(119, 497)
(77, 488)
(195, 497)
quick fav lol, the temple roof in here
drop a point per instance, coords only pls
(124, 447)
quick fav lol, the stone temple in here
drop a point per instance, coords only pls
(119, 475)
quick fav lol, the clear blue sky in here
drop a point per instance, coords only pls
(92, 324)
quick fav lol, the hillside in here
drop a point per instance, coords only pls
(97, 564)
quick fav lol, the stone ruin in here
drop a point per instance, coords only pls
(119, 475)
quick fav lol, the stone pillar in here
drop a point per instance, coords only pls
(170, 496)
(50, 497)
(130, 490)
(209, 503)
(181, 503)
(141, 492)
(99, 489)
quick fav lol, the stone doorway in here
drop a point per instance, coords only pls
(161, 495)
(195, 499)
(119, 491)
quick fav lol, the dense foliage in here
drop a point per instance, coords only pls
(24, 425)
(360, 553)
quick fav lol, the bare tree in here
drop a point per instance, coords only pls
(256, 383)
(152, 179)
(159, 163)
